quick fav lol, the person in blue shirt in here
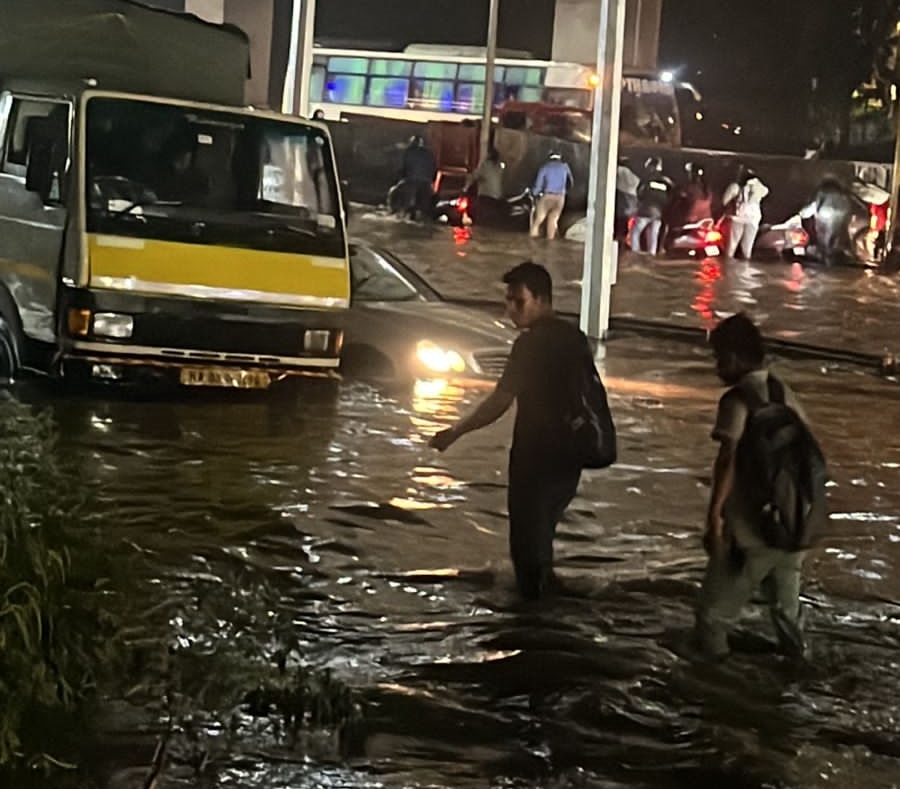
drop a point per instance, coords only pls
(553, 180)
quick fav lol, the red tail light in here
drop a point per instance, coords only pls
(877, 217)
(713, 237)
(462, 204)
(797, 238)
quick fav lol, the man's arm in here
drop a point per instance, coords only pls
(539, 182)
(722, 482)
(489, 410)
(570, 181)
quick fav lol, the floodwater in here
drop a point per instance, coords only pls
(327, 524)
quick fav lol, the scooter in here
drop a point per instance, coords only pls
(696, 239)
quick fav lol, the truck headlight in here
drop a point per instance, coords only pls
(439, 360)
(316, 340)
(113, 324)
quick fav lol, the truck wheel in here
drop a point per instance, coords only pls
(9, 353)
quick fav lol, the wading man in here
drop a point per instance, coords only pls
(542, 376)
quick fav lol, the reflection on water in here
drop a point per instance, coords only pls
(849, 308)
(327, 522)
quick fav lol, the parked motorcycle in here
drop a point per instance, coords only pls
(511, 213)
(696, 239)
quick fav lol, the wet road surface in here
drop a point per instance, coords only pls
(327, 522)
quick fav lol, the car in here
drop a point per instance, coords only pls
(400, 329)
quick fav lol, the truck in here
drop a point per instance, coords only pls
(150, 227)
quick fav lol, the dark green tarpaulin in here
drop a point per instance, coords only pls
(124, 46)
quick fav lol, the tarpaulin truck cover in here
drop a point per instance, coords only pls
(123, 45)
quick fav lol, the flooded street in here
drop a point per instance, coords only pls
(325, 525)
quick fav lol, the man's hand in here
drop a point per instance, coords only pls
(440, 441)
(713, 539)
(713, 543)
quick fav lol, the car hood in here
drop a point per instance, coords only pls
(435, 320)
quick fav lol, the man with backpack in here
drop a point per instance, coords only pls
(562, 424)
(767, 504)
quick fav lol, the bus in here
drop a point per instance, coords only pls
(440, 83)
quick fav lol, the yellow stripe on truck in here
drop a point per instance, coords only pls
(215, 272)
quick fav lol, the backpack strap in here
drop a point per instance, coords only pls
(754, 401)
(776, 390)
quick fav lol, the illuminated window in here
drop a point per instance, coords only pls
(430, 94)
(388, 92)
(530, 94)
(345, 89)
(520, 75)
(472, 73)
(434, 71)
(391, 68)
(317, 83)
(470, 97)
(348, 65)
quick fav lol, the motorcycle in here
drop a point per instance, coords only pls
(795, 238)
(695, 239)
(510, 213)
(410, 198)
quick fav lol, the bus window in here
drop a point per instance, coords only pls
(317, 83)
(383, 67)
(430, 70)
(433, 94)
(348, 65)
(469, 72)
(530, 94)
(520, 75)
(388, 92)
(469, 97)
(345, 89)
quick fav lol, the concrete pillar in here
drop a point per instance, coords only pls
(575, 32)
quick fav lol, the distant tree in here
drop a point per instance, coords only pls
(854, 42)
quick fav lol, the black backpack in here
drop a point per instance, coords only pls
(780, 472)
(593, 433)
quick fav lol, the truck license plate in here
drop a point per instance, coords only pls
(225, 377)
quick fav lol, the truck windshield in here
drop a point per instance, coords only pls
(188, 174)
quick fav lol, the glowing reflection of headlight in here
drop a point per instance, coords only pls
(439, 360)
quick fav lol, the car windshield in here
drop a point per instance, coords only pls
(374, 278)
(189, 174)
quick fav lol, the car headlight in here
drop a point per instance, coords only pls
(439, 360)
(113, 324)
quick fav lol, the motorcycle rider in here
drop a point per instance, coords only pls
(832, 210)
(654, 196)
(417, 174)
(742, 201)
(693, 201)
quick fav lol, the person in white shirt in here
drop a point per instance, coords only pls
(743, 206)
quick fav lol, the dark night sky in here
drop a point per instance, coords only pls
(522, 24)
(753, 61)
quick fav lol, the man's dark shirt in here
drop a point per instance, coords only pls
(654, 196)
(419, 164)
(545, 371)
